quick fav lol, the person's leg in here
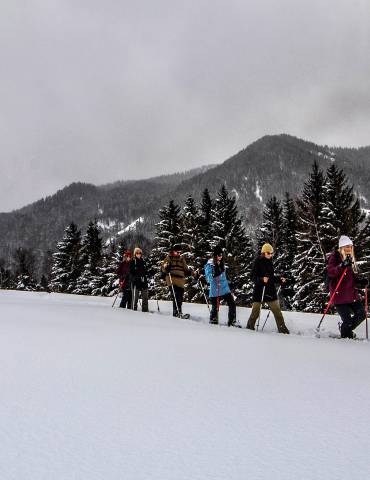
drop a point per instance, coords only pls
(345, 312)
(256, 307)
(129, 298)
(213, 315)
(275, 308)
(358, 314)
(123, 300)
(136, 297)
(179, 292)
(144, 300)
(174, 301)
(232, 309)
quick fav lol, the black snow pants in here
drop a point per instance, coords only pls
(352, 314)
(232, 308)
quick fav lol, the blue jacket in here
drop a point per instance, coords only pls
(218, 286)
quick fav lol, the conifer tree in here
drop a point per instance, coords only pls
(91, 256)
(310, 261)
(204, 248)
(192, 245)
(106, 282)
(270, 230)
(341, 214)
(66, 267)
(206, 217)
(24, 268)
(168, 232)
(229, 233)
(288, 248)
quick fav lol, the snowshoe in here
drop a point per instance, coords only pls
(185, 315)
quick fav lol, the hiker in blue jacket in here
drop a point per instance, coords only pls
(219, 287)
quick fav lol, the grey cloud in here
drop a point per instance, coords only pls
(99, 91)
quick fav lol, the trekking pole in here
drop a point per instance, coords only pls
(115, 299)
(156, 297)
(366, 308)
(277, 294)
(259, 315)
(331, 300)
(173, 293)
(204, 294)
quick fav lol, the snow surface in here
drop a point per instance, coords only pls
(93, 392)
(258, 192)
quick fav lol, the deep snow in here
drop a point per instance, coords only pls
(93, 392)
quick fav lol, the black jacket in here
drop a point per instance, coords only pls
(263, 267)
(138, 273)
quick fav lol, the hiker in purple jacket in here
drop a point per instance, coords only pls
(346, 299)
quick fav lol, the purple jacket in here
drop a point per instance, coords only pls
(347, 291)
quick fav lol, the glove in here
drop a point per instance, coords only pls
(347, 262)
(122, 284)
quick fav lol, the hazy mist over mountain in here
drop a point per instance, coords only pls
(97, 92)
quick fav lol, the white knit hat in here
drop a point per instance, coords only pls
(344, 241)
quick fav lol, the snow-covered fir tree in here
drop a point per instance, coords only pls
(66, 267)
(24, 260)
(108, 283)
(270, 230)
(205, 218)
(229, 233)
(310, 261)
(341, 214)
(192, 246)
(90, 257)
(168, 232)
(288, 247)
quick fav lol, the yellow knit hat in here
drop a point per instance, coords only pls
(267, 248)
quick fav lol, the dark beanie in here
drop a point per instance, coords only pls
(217, 251)
(176, 247)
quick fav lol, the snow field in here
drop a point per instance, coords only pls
(93, 392)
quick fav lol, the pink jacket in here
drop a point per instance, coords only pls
(347, 291)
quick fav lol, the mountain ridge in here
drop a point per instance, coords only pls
(269, 166)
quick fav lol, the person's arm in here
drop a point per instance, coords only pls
(166, 265)
(256, 274)
(208, 271)
(335, 269)
(187, 270)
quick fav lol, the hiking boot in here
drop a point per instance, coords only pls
(284, 330)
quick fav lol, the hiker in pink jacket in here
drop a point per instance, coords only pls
(346, 299)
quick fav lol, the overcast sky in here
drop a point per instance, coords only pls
(99, 91)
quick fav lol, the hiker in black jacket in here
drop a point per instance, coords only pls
(264, 280)
(139, 281)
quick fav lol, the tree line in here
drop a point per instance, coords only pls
(303, 230)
